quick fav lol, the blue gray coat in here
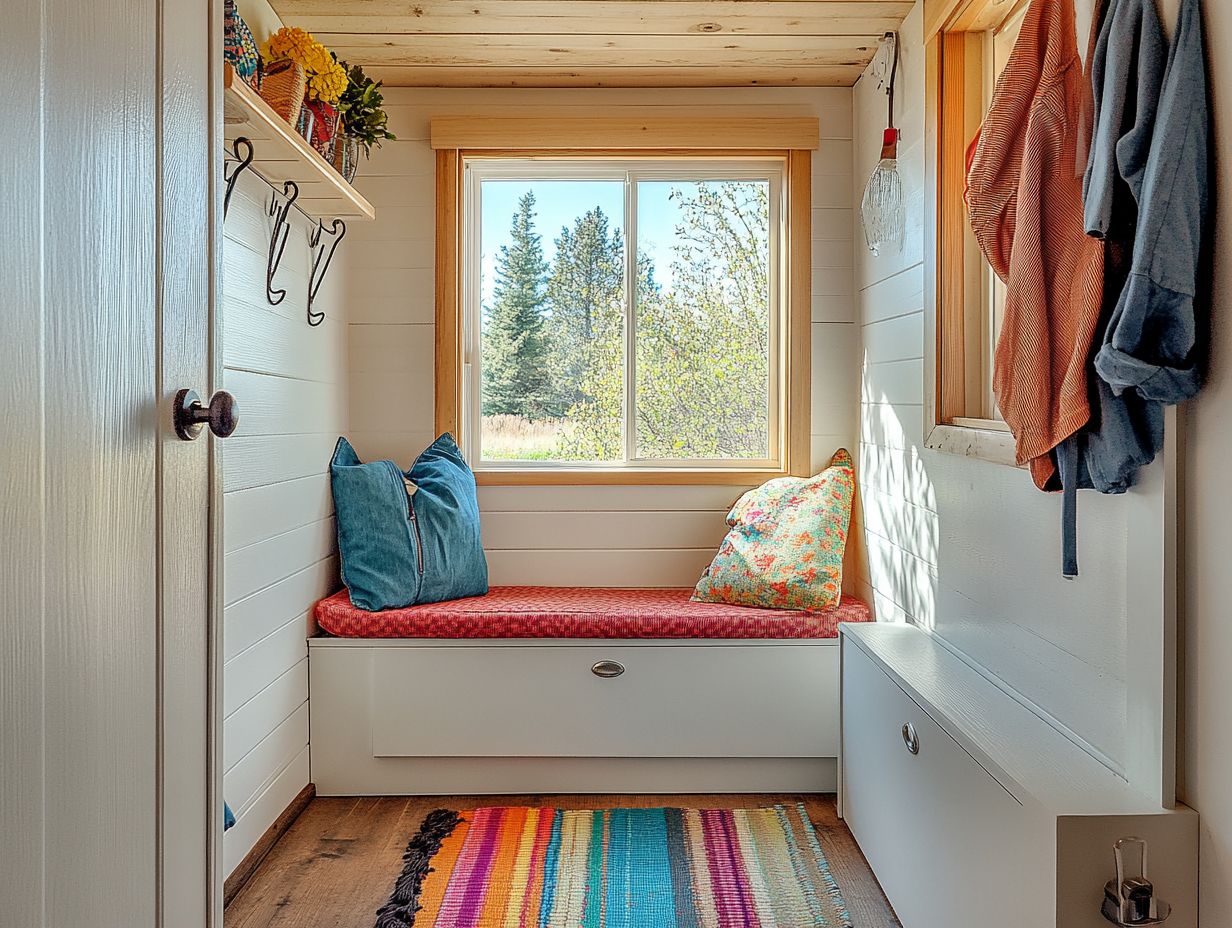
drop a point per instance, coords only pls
(1127, 75)
(1145, 189)
(1150, 344)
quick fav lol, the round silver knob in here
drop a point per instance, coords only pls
(608, 669)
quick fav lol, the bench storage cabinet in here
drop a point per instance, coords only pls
(972, 810)
(433, 716)
(649, 709)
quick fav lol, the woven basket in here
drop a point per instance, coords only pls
(283, 87)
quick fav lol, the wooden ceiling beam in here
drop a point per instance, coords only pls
(533, 51)
(829, 76)
(596, 17)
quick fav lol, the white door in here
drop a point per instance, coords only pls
(108, 185)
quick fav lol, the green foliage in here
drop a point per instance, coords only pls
(703, 349)
(585, 296)
(586, 301)
(517, 378)
(362, 110)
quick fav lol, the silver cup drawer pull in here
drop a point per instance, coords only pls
(607, 669)
(910, 738)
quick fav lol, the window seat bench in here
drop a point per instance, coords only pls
(577, 612)
(561, 690)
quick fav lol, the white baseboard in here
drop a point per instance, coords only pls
(446, 776)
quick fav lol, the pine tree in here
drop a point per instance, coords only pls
(517, 378)
(585, 294)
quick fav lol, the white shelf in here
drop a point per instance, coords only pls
(282, 154)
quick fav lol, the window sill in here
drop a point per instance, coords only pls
(624, 476)
(986, 441)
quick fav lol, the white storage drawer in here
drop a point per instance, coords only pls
(685, 700)
(950, 846)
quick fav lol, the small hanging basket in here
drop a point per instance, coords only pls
(282, 87)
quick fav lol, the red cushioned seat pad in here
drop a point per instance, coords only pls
(575, 612)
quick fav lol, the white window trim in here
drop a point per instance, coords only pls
(628, 171)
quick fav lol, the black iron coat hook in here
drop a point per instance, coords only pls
(241, 163)
(322, 255)
(278, 238)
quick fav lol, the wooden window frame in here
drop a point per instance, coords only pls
(956, 277)
(457, 138)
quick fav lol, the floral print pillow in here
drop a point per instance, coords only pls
(785, 546)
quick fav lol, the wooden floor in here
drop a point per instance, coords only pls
(338, 862)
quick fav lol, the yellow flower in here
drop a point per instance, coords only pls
(317, 59)
(289, 43)
(329, 84)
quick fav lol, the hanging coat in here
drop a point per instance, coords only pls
(1151, 344)
(1126, 65)
(1127, 74)
(1024, 193)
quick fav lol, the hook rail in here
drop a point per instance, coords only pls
(322, 240)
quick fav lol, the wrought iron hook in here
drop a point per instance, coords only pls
(278, 238)
(241, 163)
(321, 257)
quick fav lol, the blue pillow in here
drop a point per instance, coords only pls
(447, 508)
(408, 538)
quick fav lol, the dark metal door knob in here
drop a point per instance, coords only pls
(222, 415)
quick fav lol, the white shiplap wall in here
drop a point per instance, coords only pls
(969, 548)
(279, 541)
(603, 536)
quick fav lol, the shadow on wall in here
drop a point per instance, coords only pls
(897, 501)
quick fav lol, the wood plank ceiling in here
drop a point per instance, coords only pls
(602, 43)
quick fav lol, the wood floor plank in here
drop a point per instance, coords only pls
(337, 864)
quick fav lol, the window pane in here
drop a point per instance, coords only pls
(552, 338)
(703, 320)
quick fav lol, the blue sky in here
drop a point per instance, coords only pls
(559, 203)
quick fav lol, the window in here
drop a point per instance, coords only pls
(570, 363)
(964, 57)
(624, 316)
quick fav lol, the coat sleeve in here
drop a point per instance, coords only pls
(1151, 339)
(995, 164)
(1127, 72)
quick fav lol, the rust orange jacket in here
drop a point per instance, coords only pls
(1024, 197)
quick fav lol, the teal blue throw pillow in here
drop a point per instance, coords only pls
(412, 537)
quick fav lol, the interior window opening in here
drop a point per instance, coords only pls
(622, 314)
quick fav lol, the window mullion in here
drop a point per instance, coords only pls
(630, 306)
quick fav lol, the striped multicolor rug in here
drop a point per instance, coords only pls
(514, 867)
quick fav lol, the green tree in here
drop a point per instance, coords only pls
(517, 377)
(585, 294)
(703, 348)
(596, 431)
